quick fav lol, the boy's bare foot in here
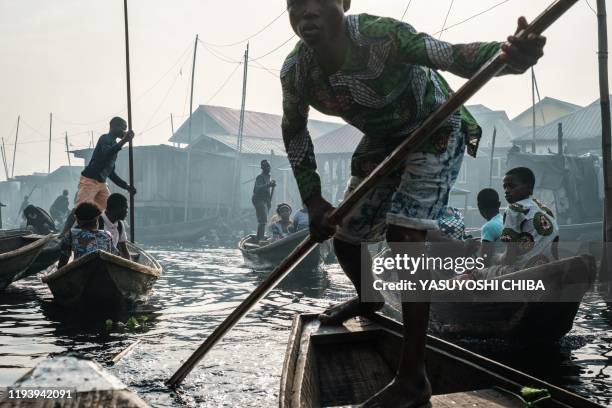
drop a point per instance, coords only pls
(338, 314)
(402, 393)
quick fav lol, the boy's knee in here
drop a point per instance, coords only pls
(401, 234)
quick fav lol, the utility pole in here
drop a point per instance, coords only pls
(606, 142)
(237, 168)
(15, 147)
(188, 178)
(533, 114)
(50, 129)
(492, 152)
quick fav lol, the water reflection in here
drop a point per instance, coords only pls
(199, 288)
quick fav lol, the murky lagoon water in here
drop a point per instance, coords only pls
(200, 287)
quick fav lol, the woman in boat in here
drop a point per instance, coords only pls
(87, 237)
(281, 224)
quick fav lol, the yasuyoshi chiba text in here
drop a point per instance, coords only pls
(458, 284)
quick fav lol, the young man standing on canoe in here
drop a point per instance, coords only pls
(92, 185)
(380, 76)
(262, 198)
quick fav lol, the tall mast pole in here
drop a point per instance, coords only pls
(50, 129)
(129, 109)
(492, 153)
(237, 172)
(15, 147)
(606, 138)
(188, 178)
(533, 114)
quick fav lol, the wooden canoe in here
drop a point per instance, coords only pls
(329, 366)
(271, 254)
(104, 280)
(189, 231)
(520, 316)
(88, 383)
(17, 254)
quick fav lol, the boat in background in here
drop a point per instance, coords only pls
(344, 365)
(103, 280)
(189, 231)
(18, 254)
(266, 254)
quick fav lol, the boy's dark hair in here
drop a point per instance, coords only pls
(488, 198)
(116, 201)
(87, 215)
(524, 174)
(117, 121)
(264, 161)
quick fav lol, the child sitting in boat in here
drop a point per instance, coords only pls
(529, 230)
(86, 238)
(281, 223)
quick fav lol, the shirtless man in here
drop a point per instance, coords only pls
(380, 76)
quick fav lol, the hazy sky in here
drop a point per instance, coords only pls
(67, 57)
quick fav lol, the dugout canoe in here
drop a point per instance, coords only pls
(69, 382)
(17, 254)
(269, 255)
(345, 365)
(104, 280)
(189, 231)
(520, 316)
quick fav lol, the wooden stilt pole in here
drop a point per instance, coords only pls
(412, 142)
(188, 178)
(236, 199)
(15, 148)
(606, 141)
(50, 131)
(129, 109)
(492, 153)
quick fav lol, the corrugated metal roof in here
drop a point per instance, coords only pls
(342, 140)
(570, 107)
(489, 120)
(65, 172)
(584, 123)
(252, 145)
(256, 124)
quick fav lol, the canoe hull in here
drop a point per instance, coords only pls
(103, 280)
(267, 257)
(342, 366)
(18, 254)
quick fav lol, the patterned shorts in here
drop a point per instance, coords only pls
(413, 197)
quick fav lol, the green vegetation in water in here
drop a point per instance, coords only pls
(134, 323)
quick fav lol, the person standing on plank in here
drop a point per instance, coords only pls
(262, 198)
(381, 76)
(92, 185)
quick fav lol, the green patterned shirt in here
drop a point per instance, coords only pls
(386, 88)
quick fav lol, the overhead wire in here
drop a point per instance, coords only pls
(472, 17)
(224, 84)
(446, 18)
(273, 50)
(249, 37)
(406, 10)
(589, 4)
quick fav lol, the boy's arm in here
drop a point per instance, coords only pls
(119, 181)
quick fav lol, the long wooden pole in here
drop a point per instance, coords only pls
(129, 109)
(238, 163)
(50, 131)
(418, 137)
(606, 140)
(188, 178)
(491, 162)
(15, 147)
(533, 113)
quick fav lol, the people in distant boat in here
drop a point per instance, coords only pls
(92, 185)
(300, 219)
(59, 210)
(86, 237)
(111, 221)
(262, 197)
(529, 228)
(281, 223)
(491, 231)
(38, 220)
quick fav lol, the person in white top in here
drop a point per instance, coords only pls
(112, 217)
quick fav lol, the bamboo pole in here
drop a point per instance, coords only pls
(491, 162)
(418, 137)
(129, 109)
(15, 148)
(188, 178)
(50, 130)
(606, 139)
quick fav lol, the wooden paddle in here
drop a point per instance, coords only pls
(486, 73)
